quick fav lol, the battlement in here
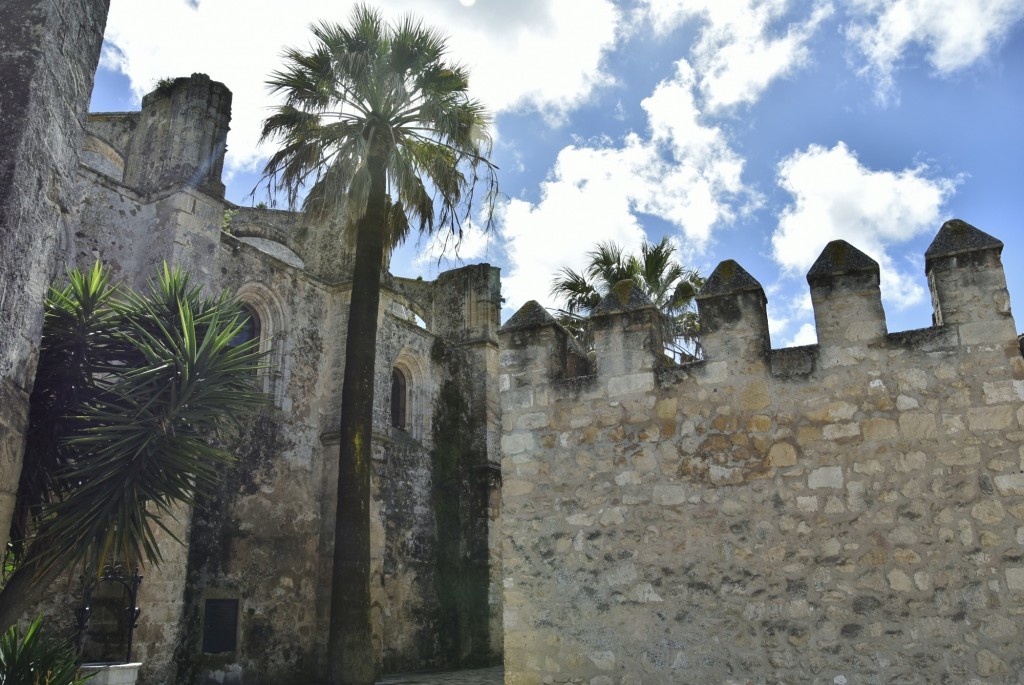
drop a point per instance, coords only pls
(965, 276)
(783, 511)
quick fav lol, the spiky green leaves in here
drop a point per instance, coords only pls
(130, 389)
(670, 286)
(30, 658)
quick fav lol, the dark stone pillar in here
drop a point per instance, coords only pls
(49, 50)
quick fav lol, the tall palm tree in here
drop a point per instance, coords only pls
(376, 128)
(129, 390)
(669, 285)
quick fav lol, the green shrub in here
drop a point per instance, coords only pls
(34, 659)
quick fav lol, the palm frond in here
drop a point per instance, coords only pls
(669, 285)
(578, 293)
(373, 89)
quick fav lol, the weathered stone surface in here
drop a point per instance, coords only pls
(266, 539)
(957, 237)
(48, 56)
(858, 522)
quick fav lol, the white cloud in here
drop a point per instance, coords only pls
(531, 54)
(955, 33)
(740, 50)
(806, 335)
(553, 64)
(698, 182)
(588, 198)
(447, 248)
(685, 173)
(836, 197)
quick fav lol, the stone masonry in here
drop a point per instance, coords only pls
(48, 55)
(148, 190)
(845, 512)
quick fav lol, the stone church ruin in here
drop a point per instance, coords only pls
(845, 512)
(247, 597)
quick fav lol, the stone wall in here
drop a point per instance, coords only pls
(48, 55)
(147, 193)
(846, 512)
(135, 229)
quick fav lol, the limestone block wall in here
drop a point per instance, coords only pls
(113, 128)
(404, 528)
(180, 136)
(429, 523)
(846, 512)
(466, 310)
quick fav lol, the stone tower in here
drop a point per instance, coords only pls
(180, 138)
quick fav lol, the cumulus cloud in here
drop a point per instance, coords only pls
(835, 196)
(684, 172)
(508, 47)
(588, 197)
(700, 173)
(741, 48)
(447, 248)
(806, 335)
(954, 33)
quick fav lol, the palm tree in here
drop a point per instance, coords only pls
(376, 129)
(669, 285)
(129, 390)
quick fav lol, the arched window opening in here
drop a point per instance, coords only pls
(399, 391)
(250, 329)
(267, 324)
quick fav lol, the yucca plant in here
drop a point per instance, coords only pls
(30, 658)
(129, 390)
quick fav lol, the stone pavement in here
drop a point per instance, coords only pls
(482, 676)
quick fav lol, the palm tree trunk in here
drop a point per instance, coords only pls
(350, 655)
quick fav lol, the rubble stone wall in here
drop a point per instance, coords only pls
(846, 512)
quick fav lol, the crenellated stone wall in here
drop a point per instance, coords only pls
(846, 512)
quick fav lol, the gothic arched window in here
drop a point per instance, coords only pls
(250, 329)
(399, 393)
(267, 324)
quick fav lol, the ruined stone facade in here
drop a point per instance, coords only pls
(846, 512)
(246, 599)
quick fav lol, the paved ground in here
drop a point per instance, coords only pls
(483, 676)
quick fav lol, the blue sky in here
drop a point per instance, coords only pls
(754, 130)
